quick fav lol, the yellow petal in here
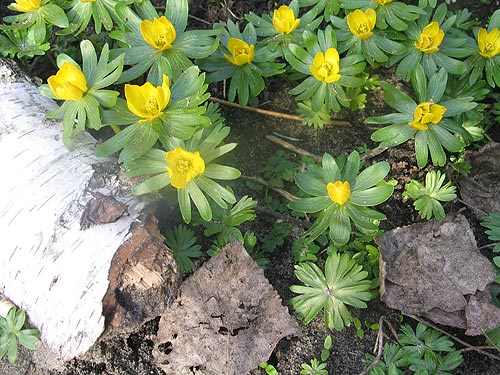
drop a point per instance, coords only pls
(430, 39)
(148, 101)
(26, 5)
(489, 42)
(183, 166)
(284, 20)
(339, 191)
(68, 83)
(159, 33)
(438, 112)
(135, 100)
(362, 23)
(242, 53)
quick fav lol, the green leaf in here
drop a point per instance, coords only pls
(372, 196)
(54, 15)
(351, 168)
(371, 176)
(397, 99)
(340, 226)
(221, 172)
(215, 191)
(310, 185)
(310, 205)
(331, 171)
(177, 12)
(184, 204)
(152, 184)
(419, 81)
(457, 106)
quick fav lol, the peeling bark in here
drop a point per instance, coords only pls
(63, 215)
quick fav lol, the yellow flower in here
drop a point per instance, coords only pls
(326, 66)
(425, 113)
(339, 191)
(68, 83)
(284, 20)
(86, 1)
(430, 39)
(383, 2)
(361, 24)
(26, 5)
(241, 52)
(148, 101)
(183, 166)
(489, 42)
(159, 33)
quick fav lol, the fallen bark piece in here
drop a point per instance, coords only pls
(227, 320)
(480, 189)
(432, 269)
(63, 216)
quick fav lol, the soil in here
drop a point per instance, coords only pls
(132, 355)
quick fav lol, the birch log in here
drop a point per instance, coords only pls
(64, 216)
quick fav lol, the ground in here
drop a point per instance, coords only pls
(132, 355)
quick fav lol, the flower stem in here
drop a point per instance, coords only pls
(115, 128)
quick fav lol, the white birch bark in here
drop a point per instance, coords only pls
(49, 266)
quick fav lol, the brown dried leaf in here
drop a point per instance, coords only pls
(480, 189)
(431, 268)
(227, 320)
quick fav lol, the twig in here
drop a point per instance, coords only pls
(487, 246)
(472, 206)
(280, 191)
(274, 113)
(375, 152)
(199, 19)
(393, 331)
(466, 344)
(379, 346)
(292, 148)
(289, 219)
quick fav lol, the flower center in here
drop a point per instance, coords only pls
(363, 28)
(152, 106)
(325, 70)
(488, 47)
(183, 165)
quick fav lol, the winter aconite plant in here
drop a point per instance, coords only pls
(343, 194)
(327, 74)
(83, 89)
(155, 113)
(188, 166)
(431, 121)
(343, 283)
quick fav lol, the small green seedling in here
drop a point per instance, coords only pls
(427, 198)
(12, 333)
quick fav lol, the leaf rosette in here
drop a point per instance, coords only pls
(357, 34)
(243, 60)
(82, 89)
(431, 122)
(343, 194)
(343, 283)
(160, 44)
(327, 74)
(153, 116)
(189, 168)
